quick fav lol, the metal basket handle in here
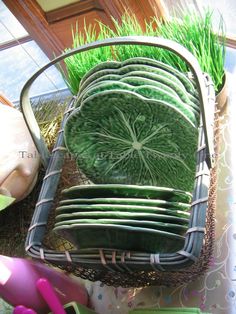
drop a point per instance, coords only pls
(191, 61)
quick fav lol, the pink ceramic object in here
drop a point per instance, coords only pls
(18, 278)
(19, 309)
(49, 295)
(30, 311)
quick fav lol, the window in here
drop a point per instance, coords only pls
(20, 57)
(224, 8)
(220, 8)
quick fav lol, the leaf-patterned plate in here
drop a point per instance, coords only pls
(113, 75)
(130, 68)
(162, 226)
(85, 236)
(188, 84)
(123, 190)
(121, 137)
(65, 209)
(147, 91)
(127, 201)
(123, 215)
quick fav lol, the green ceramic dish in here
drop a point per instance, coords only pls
(188, 84)
(183, 94)
(123, 215)
(138, 80)
(123, 190)
(120, 137)
(127, 201)
(130, 68)
(172, 228)
(76, 308)
(147, 91)
(140, 63)
(122, 208)
(180, 91)
(144, 61)
(121, 237)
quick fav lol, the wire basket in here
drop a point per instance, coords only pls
(122, 268)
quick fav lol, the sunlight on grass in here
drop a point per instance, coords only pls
(192, 31)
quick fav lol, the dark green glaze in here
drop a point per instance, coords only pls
(124, 215)
(139, 81)
(150, 92)
(144, 61)
(150, 143)
(127, 201)
(122, 190)
(131, 68)
(101, 66)
(134, 81)
(169, 227)
(71, 208)
(180, 91)
(181, 76)
(85, 236)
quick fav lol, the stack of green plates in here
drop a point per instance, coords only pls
(128, 217)
(134, 134)
(136, 123)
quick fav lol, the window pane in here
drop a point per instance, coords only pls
(13, 29)
(226, 8)
(230, 60)
(176, 7)
(17, 65)
(5, 36)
